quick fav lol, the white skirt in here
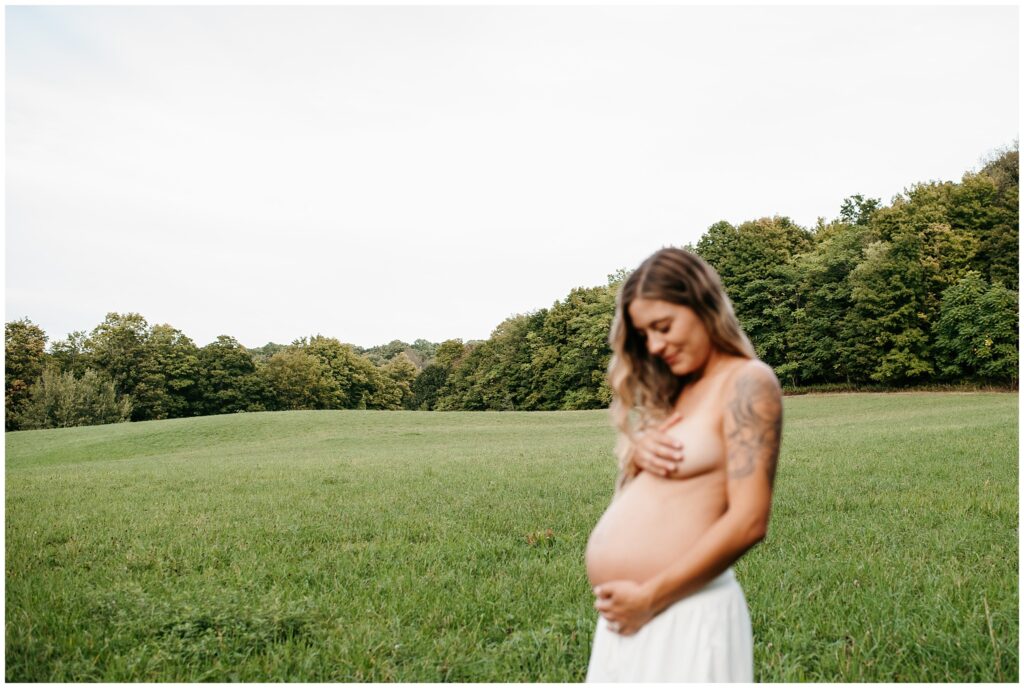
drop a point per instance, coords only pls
(705, 637)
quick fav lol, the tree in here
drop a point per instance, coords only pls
(70, 354)
(360, 384)
(570, 351)
(1003, 242)
(986, 206)
(420, 352)
(117, 347)
(503, 380)
(857, 210)
(425, 351)
(60, 400)
(976, 335)
(981, 209)
(449, 353)
(379, 355)
(169, 381)
(384, 393)
(887, 324)
(751, 260)
(403, 372)
(24, 356)
(815, 348)
(300, 380)
(432, 388)
(460, 392)
(1003, 166)
(747, 252)
(262, 354)
(228, 379)
(426, 388)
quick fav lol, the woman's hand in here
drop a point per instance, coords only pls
(624, 604)
(657, 452)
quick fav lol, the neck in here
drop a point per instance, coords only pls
(711, 365)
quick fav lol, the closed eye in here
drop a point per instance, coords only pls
(661, 330)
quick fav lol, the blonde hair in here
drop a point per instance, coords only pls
(644, 388)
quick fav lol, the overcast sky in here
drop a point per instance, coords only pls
(379, 173)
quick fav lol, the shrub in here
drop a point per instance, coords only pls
(60, 400)
(977, 331)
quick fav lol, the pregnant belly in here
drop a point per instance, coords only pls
(652, 524)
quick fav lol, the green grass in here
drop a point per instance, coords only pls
(412, 546)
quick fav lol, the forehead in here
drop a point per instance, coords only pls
(643, 312)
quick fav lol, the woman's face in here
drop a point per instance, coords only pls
(672, 333)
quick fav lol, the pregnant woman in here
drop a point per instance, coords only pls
(699, 420)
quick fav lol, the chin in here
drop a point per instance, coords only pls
(680, 368)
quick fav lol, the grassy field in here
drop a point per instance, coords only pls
(413, 546)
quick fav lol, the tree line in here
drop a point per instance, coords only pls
(921, 291)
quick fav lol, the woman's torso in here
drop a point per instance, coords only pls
(654, 520)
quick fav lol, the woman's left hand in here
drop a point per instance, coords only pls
(624, 604)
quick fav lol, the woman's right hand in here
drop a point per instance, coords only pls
(656, 451)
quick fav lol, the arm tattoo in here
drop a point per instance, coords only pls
(756, 414)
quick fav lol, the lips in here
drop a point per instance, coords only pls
(671, 359)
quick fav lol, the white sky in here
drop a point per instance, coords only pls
(379, 173)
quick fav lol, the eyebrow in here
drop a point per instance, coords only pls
(655, 322)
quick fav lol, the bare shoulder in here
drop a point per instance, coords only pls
(752, 418)
(753, 378)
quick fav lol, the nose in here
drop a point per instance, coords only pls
(655, 345)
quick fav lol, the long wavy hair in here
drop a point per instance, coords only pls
(643, 386)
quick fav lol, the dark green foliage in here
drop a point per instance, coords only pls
(323, 373)
(570, 352)
(60, 400)
(117, 347)
(262, 354)
(420, 353)
(69, 354)
(427, 387)
(815, 345)
(169, 385)
(503, 381)
(358, 383)
(746, 253)
(228, 381)
(752, 261)
(857, 210)
(550, 359)
(403, 372)
(887, 322)
(24, 357)
(426, 351)
(157, 366)
(460, 391)
(300, 380)
(449, 353)
(985, 205)
(977, 331)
